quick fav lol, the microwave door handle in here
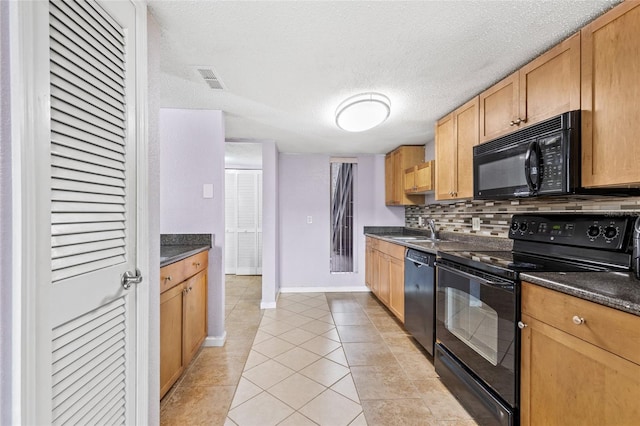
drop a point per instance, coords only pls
(533, 147)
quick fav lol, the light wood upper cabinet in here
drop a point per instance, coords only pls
(395, 163)
(580, 361)
(547, 86)
(419, 179)
(610, 98)
(456, 135)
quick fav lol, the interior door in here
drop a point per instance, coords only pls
(93, 142)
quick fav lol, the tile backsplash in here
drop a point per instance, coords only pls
(495, 216)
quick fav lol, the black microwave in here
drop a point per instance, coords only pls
(540, 160)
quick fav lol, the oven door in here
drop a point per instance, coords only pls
(476, 317)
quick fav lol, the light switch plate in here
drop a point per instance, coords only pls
(475, 223)
(309, 219)
(207, 190)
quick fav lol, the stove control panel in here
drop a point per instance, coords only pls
(592, 231)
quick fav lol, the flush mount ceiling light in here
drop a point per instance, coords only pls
(363, 112)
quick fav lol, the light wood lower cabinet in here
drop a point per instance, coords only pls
(580, 361)
(384, 264)
(183, 316)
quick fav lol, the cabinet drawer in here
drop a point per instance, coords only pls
(608, 328)
(171, 275)
(196, 263)
(179, 271)
(393, 250)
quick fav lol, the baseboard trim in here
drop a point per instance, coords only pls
(267, 305)
(353, 289)
(216, 341)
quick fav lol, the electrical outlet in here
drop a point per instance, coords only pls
(475, 223)
(309, 219)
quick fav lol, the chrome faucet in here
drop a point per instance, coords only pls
(432, 227)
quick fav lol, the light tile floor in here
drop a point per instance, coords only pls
(317, 359)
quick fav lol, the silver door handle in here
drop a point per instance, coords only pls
(129, 278)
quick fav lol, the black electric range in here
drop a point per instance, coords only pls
(477, 351)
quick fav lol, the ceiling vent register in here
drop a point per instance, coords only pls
(210, 78)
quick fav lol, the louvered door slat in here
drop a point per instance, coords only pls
(104, 409)
(91, 128)
(104, 19)
(99, 22)
(57, 195)
(84, 248)
(91, 61)
(76, 229)
(65, 366)
(87, 116)
(66, 174)
(79, 15)
(108, 411)
(72, 164)
(87, 113)
(95, 152)
(84, 258)
(89, 373)
(70, 185)
(84, 90)
(67, 70)
(84, 135)
(91, 104)
(71, 207)
(85, 365)
(87, 237)
(61, 151)
(63, 272)
(91, 42)
(86, 217)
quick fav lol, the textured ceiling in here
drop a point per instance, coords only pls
(286, 66)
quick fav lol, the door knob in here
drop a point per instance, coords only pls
(129, 278)
(521, 325)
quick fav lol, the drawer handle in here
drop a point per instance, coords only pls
(197, 264)
(578, 320)
(522, 325)
(168, 278)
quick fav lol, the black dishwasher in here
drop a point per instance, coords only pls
(419, 297)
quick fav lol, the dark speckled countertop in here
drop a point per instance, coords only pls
(175, 247)
(619, 290)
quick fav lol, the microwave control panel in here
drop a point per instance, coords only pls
(593, 231)
(552, 164)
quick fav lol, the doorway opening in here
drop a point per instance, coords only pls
(342, 214)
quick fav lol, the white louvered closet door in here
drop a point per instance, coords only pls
(93, 211)
(243, 236)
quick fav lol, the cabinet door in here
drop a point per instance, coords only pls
(568, 381)
(396, 287)
(368, 263)
(550, 84)
(195, 314)
(398, 171)
(610, 93)
(383, 278)
(499, 108)
(466, 136)
(171, 316)
(445, 148)
(409, 180)
(388, 180)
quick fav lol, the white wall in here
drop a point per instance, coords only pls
(304, 248)
(270, 225)
(153, 87)
(192, 154)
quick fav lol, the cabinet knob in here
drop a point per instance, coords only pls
(578, 320)
(521, 325)
(168, 278)
(197, 264)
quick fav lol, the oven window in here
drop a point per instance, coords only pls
(473, 322)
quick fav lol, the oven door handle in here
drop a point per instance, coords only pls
(503, 284)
